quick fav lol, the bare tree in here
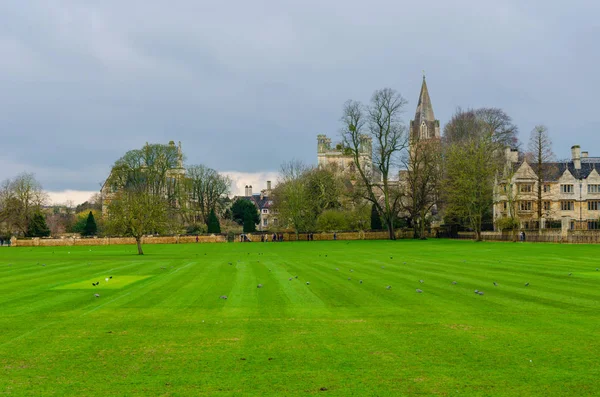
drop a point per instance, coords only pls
(541, 155)
(375, 136)
(421, 181)
(20, 198)
(205, 187)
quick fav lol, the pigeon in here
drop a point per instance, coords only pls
(110, 277)
(223, 297)
(97, 295)
(259, 286)
(454, 282)
(360, 281)
(308, 283)
(421, 281)
(391, 257)
(527, 284)
(291, 278)
(480, 293)
(296, 277)
(495, 284)
(389, 287)
(419, 290)
(476, 291)
(94, 284)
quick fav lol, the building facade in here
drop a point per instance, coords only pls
(570, 192)
(263, 202)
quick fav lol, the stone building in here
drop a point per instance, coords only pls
(264, 204)
(570, 192)
(340, 157)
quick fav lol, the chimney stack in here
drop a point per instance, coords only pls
(576, 156)
(269, 185)
(246, 191)
(249, 190)
(584, 155)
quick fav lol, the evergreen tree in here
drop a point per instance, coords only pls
(375, 219)
(213, 223)
(90, 228)
(249, 225)
(37, 226)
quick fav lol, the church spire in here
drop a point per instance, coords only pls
(424, 108)
(424, 126)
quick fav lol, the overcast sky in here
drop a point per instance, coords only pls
(247, 85)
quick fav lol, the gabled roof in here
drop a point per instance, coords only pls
(555, 170)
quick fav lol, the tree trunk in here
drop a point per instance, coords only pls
(390, 227)
(478, 235)
(138, 240)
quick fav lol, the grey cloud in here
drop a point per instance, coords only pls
(248, 85)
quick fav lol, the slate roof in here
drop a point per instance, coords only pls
(265, 202)
(557, 169)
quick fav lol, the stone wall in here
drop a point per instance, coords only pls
(64, 242)
(543, 236)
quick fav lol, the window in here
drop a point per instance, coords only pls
(567, 205)
(275, 221)
(525, 205)
(525, 188)
(593, 225)
(265, 211)
(566, 188)
(593, 205)
(265, 222)
(547, 188)
(593, 188)
(505, 205)
(546, 205)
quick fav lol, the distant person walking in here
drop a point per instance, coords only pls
(335, 236)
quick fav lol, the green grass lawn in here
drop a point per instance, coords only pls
(160, 328)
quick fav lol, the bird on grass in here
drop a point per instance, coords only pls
(476, 291)
(388, 287)
(360, 281)
(291, 279)
(527, 284)
(223, 297)
(97, 295)
(421, 281)
(308, 283)
(570, 274)
(454, 283)
(480, 293)
(391, 257)
(419, 291)
(495, 284)
(110, 277)
(351, 271)
(296, 277)
(259, 286)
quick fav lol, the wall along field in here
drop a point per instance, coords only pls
(160, 325)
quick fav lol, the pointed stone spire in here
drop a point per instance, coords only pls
(424, 126)
(424, 108)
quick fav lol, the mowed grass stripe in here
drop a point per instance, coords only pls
(171, 334)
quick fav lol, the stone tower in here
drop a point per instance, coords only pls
(424, 126)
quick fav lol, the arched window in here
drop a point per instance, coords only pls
(424, 134)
